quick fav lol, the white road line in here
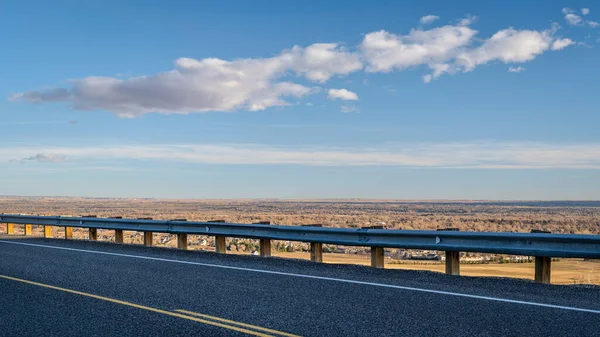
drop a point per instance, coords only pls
(431, 291)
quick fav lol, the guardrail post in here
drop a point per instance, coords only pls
(182, 241)
(265, 247)
(220, 246)
(148, 239)
(27, 229)
(452, 257)
(93, 234)
(316, 252)
(47, 232)
(118, 236)
(377, 257)
(10, 228)
(453, 263)
(68, 233)
(542, 269)
(316, 248)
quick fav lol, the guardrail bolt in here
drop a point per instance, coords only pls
(377, 257)
(316, 252)
(542, 269)
(182, 241)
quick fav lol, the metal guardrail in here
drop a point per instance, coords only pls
(541, 245)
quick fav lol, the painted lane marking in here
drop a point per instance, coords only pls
(143, 307)
(323, 278)
(191, 313)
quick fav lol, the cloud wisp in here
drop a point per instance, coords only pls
(477, 155)
(342, 94)
(253, 84)
(427, 19)
(45, 157)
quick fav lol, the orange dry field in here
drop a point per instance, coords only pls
(565, 271)
(565, 217)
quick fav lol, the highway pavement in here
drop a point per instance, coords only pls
(53, 287)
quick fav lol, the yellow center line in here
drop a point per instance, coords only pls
(138, 306)
(236, 323)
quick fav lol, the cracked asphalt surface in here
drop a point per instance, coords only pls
(289, 303)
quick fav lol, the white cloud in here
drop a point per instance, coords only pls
(482, 155)
(562, 44)
(427, 19)
(509, 46)
(585, 11)
(206, 85)
(385, 51)
(46, 158)
(469, 20)
(349, 109)
(342, 94)
(253, 84)
(515, 69)
(573, 19)
(592, 24)
(452, 49)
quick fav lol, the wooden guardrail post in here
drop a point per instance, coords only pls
(93, 234)
(27, 229)
(452, 257)
(542, 263)
(377, 253)
(220, 246)
(118, 236)
(316, 248)
(148, 239)
(453, 263)
(68, 233)
(47, 232)
(542, 269)
(377, 257)
(264, 244)
(182, 241)
(10, 228)
(265, 247)
(316, 252)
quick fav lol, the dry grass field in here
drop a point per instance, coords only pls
(557, 217)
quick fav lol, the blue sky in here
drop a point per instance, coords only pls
(310, 99)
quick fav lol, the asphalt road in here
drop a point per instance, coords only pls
(103, 289)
